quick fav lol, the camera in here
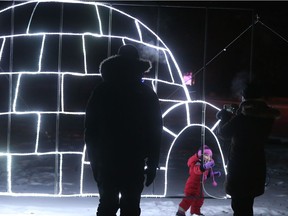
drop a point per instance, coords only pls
(232, 108)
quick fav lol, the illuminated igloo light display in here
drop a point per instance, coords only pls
(49, 57)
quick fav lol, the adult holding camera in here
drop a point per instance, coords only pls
(248, 130)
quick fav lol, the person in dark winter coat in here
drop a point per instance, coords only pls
(248, 130)
(123, 129)
(194, 196)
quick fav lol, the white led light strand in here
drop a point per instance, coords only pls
(2, 47)
(84, 54)
(41, 53)
(138, 30)
(38, 132)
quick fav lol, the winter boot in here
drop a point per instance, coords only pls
(180, 213)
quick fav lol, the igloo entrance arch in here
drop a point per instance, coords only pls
(49, 57)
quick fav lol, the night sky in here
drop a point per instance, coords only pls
(198, 32)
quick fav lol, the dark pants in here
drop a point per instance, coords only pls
(242, 206)
(120, 189)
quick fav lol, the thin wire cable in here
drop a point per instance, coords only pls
(224, 49)
(274, 31)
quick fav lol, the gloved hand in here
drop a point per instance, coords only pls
(217, 173)
(224, 115)
(208, 165)
(150, 175)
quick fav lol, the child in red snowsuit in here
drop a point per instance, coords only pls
(194, 196)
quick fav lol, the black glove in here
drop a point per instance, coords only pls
(224, 115)
(150, 175)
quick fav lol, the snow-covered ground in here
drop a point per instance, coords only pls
(273, 202)
(267, 205)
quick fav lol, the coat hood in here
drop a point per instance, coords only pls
(125, 66)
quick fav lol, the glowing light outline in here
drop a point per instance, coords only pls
(138, 30)
(41, 53)
(138, 23)
(2, 48)
(32, 14)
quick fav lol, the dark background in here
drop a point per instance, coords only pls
(197, 32)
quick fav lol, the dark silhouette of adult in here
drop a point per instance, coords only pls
(248, 130)
(123, 129)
